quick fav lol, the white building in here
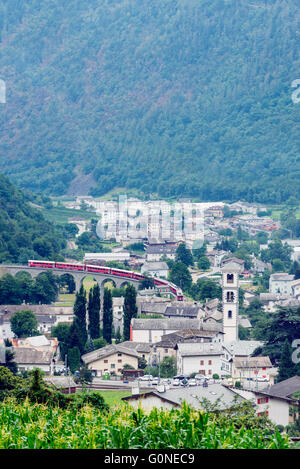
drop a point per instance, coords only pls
(107, 256)
(155, 269)
(281, 283)
(203, 358)
(152, 330)
(295, 285)
(118, 314)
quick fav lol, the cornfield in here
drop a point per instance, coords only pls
(36, 426)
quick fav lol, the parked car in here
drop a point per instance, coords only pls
(184, 382)
(155, 381)
(193, 382)
(146, 378)
(166, 381)
(261, 379)
(176, 382)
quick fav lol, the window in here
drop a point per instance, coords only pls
(113, 365)
(209, 362)
(229, 314)
(119, 361)
(202, 372)
(119, 355)
(105, 361)
(230, 297)
(166, 350)
(229, 278)
(201, 362)
(209, 372)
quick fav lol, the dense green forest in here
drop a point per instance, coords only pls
(24, 232)
(174, 98)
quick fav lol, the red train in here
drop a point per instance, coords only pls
(105, 270)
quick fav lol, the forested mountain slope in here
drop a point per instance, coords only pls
(173, 97)
(24, 233)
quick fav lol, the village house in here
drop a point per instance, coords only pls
(155, 252)
(271, 301)
(241, 349)
(118, 312)
(152, 330)
(143, 349)
(281, 283)
(202, 358)
(196, 397)
(29, 358)
(64, 384)
(155, 269)
(188, 311)
(110, 359)
(279, 401)
(167, 347)
(252, 368)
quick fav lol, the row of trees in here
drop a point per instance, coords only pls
(22, 288)
(84, 336)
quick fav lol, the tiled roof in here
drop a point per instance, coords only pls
(107, 351)
(242, 348)
(172, 324)
(285, 388)
(194, 395)
(200, 349)
(252, 362)
(26, 355)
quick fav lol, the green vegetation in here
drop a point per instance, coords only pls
(40, 426)
(24, 324)
(130, 309)
(278, 331)
(24, 232)
(165, 98)
(14, 290)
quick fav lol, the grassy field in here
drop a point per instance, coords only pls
(60, 215)
(65, 299)
(114, 397)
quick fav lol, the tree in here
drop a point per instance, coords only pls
(147, 282)
(184, 255)
(94, 312)
(203, 263)
(79, 329)
(8, 380)
(99, 343)
(168, 367)
(107, 316)
(142, 363)
(286, 367)
(244, 333)
(130, 309)
(62, 333)
(24, 324)
(74, 359)
(45, 290)
(282, 325)
(181, 276)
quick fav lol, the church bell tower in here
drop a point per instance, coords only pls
(230, 299)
